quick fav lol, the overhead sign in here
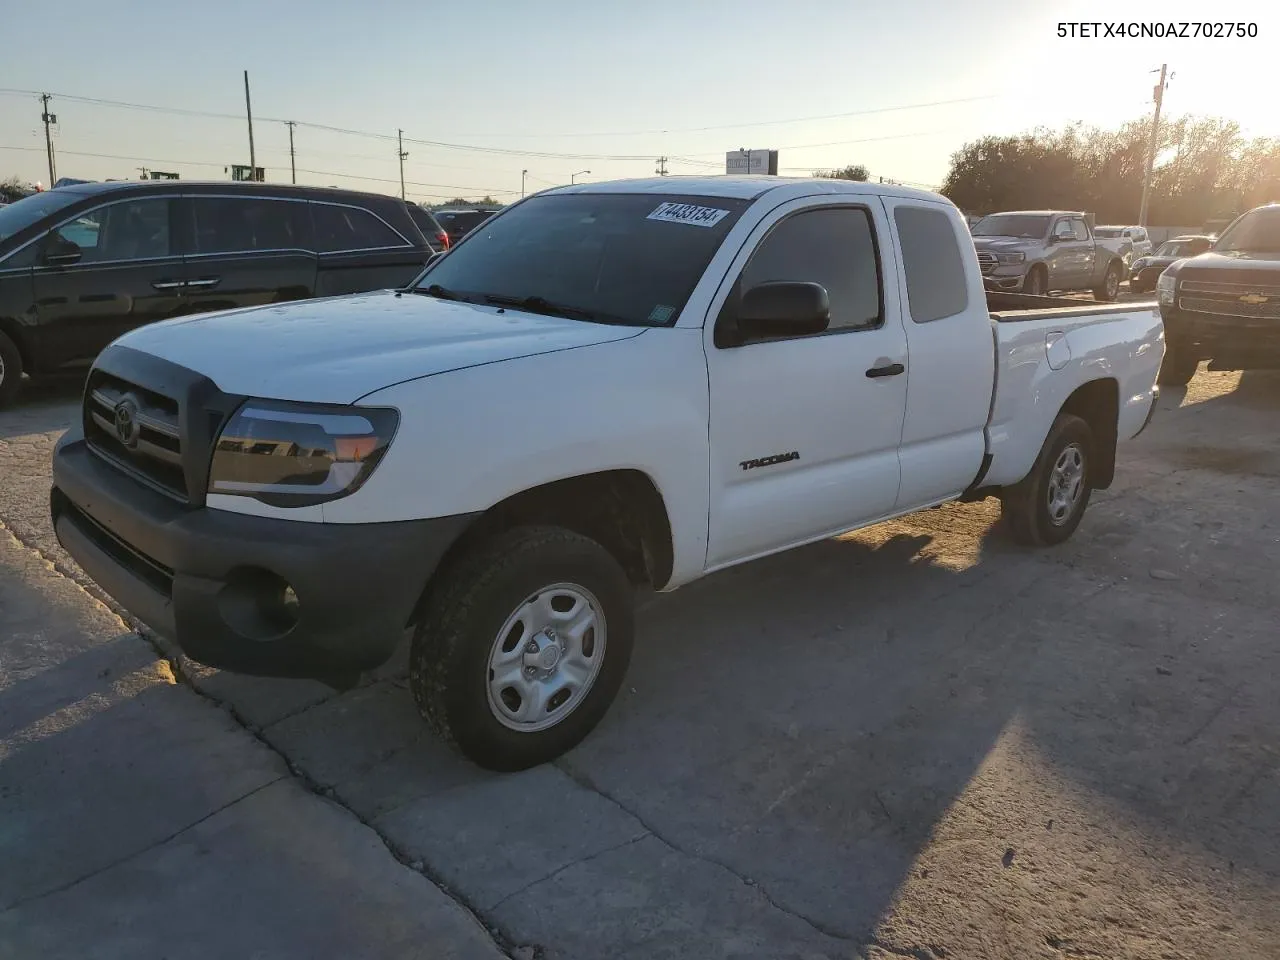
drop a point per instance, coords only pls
(241, 172)
(751, 162)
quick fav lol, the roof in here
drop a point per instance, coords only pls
(744, 188)
(246, 186)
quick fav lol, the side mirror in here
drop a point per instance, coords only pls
(62, 253)
(781, 309)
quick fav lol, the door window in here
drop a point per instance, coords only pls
(131, 230)
(936, 284)
(1063, 230)
(1079, 230)
(351, 228)
(247, 224)
(835, 247)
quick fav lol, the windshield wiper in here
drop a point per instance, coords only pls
(437, 291)
(542, 305)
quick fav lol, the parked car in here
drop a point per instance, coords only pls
(1145, 270)
(83, 264)
(1037, 251)
(636, 384)
(430, 227)
(1224, 304)
(1128, 242)
(459, 221)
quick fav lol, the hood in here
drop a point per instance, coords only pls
(1263, 268)
(1150, 261)
(339, 349)
(996, 244)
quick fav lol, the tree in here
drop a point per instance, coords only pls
(1204, 168)
(12, 189)
(854, 171)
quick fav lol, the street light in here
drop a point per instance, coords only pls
(573, 177)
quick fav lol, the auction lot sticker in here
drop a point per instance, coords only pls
(688, 213)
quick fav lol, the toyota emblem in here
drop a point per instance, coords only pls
(126, 422)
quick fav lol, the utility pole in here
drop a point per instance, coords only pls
(48, 119)
(662, 167)
(293, 170)
(523, 175)
(144, 171)
(1155, 142)
(248, 112)
(400, 150)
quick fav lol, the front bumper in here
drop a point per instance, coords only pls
(1232, 343)
(213, 581)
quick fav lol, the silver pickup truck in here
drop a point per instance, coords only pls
(1038, 251)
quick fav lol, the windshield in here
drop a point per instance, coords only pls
(1011, 225)
(1181, 248)
(1256, 232)
(22, 214)
(623, 258)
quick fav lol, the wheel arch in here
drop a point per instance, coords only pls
(15, 332)
(622, 510)
(1098, 404)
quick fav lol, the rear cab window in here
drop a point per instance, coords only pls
(934, 266)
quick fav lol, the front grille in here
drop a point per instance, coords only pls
(1253, 301)
(151, 447)
(987, 262)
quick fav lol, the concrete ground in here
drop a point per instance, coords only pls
(915, 741)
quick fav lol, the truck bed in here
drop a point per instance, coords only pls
(1020, 307)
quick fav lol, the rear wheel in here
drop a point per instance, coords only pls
(1110, 286)
(1036, 282)
(523, 646)
(10, 370)
(1178, 367)
(1045, 508)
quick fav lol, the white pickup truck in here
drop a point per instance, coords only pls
(606, 387)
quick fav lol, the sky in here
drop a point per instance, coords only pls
(496, 96)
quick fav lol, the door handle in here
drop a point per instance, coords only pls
(167, 284)
(206, 282)
(891, 370)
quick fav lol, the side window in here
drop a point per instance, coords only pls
(350, 228)
(834, 247)
(131, 230)
(1063, 231)
(1081, 232)
(936, 284)
(247, 224)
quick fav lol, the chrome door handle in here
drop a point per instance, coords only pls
(167, 284)
(207, 282)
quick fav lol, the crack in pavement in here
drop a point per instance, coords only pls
(568, 866)
(137, 853)
(169, 654)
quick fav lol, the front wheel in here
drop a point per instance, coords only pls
(1178, 367)
(1036, 283)
(1045, 508)
(523, 646)
(1110, 286)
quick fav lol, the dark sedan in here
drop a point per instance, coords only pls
(1146, 270)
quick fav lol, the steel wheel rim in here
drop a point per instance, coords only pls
(1066, 484)
(546, 658)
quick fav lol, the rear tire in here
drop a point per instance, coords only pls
(518, 606)
(1178, 367)
(10, 370)
(1110, 288)
(1036, 282)
(1045, 508)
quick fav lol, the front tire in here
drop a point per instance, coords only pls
(1110, 288)
(1178, 367)
(10, 370)
(523, 646)
(1036, 282)
(1045, 508)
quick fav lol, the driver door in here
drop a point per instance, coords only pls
(103, 273)
(1062, 257)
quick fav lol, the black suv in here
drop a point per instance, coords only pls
(83, 264)
(1224, 305)
(459, 221)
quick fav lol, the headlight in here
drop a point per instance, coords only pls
(295, 454)
(1165, 287)
(1010, 257)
